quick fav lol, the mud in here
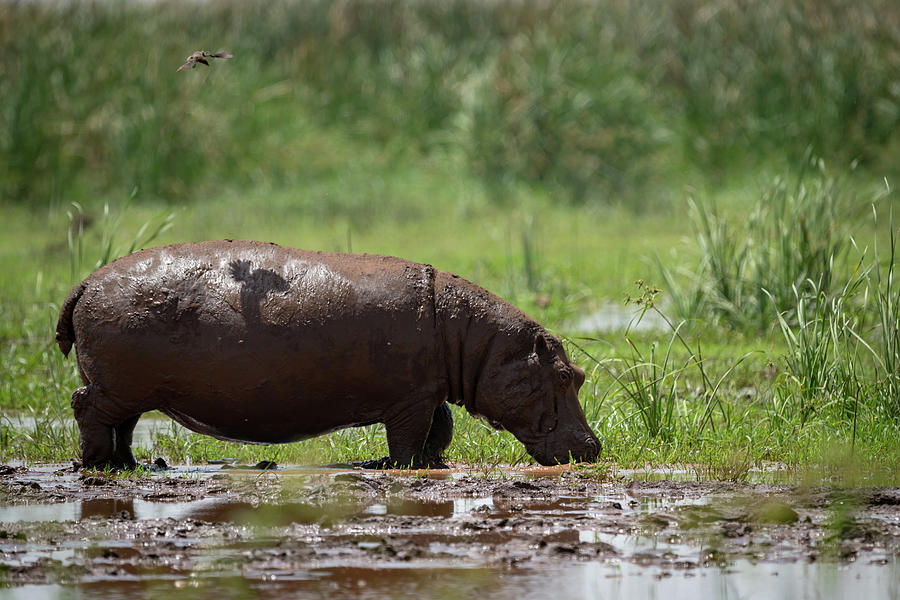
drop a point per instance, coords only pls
(365, 534)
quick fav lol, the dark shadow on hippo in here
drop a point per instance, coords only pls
(256, 285)
(257, 343)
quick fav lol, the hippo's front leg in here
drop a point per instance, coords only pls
(415, 441)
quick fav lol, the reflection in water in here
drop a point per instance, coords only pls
(785, 581)
(106, 507)
(772, 581)
(412, 508)
(215, 510)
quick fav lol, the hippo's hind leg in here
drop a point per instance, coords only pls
(99, 430)
(439, 437)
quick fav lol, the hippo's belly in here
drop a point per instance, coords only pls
(264, 388)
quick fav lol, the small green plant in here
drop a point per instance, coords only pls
(731, 463)
(652, 388)
(596, 471)
(655, 385)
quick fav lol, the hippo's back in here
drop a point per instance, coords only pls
(244, 285)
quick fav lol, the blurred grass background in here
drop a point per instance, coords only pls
(594, 100)
(552, 152)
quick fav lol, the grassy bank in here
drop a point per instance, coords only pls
(705, 390)
(554, 154)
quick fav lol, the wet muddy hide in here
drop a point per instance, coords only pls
(258, 343)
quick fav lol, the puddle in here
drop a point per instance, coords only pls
(216, 510)
(616, 318)
(212, 510)
(445, 508)
(741, 580)
(227, 510)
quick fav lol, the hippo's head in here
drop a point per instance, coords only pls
(534, 396)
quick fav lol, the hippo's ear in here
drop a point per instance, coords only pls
(542, 348)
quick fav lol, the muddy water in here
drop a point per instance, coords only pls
(214, 532)
(791, 581)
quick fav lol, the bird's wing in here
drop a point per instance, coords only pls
(203, 60)
(187, 65)
(222, 55)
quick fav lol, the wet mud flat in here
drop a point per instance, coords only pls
(225, 532)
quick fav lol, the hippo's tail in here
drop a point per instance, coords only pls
(65, 331)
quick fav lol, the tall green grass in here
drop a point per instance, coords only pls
(588, 99)
(822, 358)
(885, 293)
(798, 234)
(842, 347)
(795, 267)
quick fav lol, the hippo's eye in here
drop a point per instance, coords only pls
(565, 375)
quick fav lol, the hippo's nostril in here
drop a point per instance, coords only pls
(593, 449)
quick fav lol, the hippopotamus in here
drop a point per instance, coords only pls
(258, 343)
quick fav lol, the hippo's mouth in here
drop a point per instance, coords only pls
(549, 454)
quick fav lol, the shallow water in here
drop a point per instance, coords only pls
(618, 318)
(340, 533)
(742, 580)
(219, 510)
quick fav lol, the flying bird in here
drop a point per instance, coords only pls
(200, 56)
